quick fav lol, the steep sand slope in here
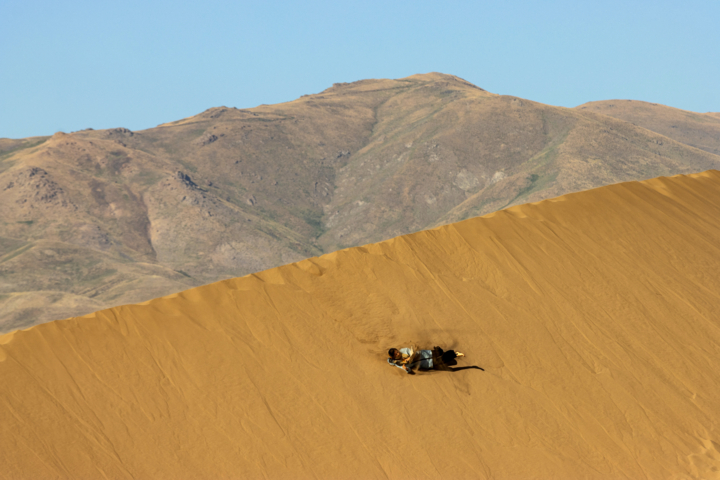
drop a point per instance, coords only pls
(596, 316)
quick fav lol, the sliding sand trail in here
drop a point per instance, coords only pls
(595, 315)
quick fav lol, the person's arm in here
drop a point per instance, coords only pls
(421, 359)
(408, 355)
(399, 365)
(395, 364)
(413, 359)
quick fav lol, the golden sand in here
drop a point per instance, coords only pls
(595, 315)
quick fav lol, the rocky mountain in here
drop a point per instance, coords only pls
(93, 219)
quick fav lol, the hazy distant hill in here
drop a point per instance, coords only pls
(595, 316)
(699, 130)
(100, 218)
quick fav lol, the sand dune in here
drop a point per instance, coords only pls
(596, 316)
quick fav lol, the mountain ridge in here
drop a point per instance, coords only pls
(100, 218)
(699, 130)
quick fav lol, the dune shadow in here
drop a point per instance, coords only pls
(457, 369)
(452, 369)
(447, 369)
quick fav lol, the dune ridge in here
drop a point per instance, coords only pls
(595, 316)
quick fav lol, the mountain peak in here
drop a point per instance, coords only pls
(441, 77)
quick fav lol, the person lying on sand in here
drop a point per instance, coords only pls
(436, 359)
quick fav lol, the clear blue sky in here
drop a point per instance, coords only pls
(69, 65)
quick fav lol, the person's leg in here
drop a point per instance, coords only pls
(439, 359)
(443, 360)
(448, 357)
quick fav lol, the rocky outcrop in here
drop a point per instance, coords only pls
(119, 132)
(186, 180)
(207, 139)
(35, 188)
